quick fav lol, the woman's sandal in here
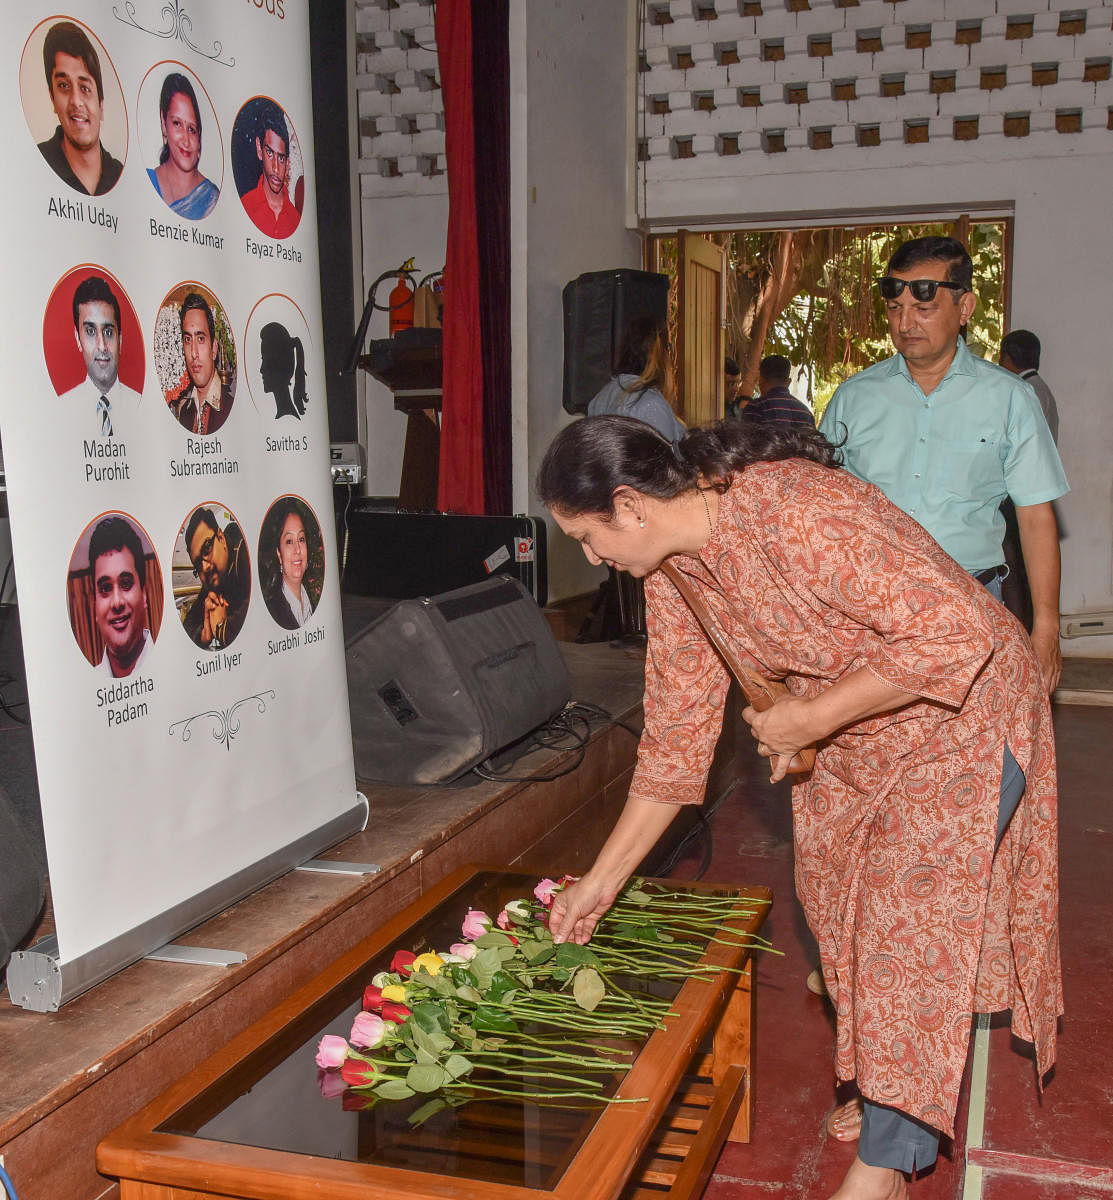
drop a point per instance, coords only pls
(844, 1121)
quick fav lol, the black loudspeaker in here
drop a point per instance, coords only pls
(597, 308)
(22, 881)
(441, 683)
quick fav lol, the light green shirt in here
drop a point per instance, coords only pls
(949, 459)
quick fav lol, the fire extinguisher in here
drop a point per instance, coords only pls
(401, 300)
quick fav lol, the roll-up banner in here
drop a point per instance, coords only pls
(166, 445)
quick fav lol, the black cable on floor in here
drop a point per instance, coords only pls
(570, 729)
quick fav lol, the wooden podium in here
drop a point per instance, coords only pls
(410, 365)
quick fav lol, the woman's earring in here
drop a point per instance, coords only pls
(641, 524)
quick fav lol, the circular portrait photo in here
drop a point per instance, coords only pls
(195, 358)
(291, 561)
(274, 348)
(74, 105)
(178, 133)
(212, 576)
(267, 165)
(115, 594)
(94, 352)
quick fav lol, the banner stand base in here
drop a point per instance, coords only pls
(38, 980)
(327, 866)
(198, 956)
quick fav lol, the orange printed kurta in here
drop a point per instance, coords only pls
(813, 574)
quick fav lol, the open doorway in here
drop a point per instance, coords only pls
(809, 294)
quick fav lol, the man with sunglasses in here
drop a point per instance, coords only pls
(948, 436)
(220, 560)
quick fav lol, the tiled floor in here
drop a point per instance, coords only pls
(1058, 1147)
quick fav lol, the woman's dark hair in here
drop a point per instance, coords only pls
(176, 84)
(590, 458)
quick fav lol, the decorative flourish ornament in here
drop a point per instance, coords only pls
(227, 723)
(180, 28)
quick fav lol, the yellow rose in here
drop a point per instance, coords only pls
(430, 962)
(395, 992)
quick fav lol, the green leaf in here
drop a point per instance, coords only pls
(483, 968)
(502, 985)
(394, 1089)
(493, 1020)
(441, 985)
(430, 1017)
(457, 1066)
(588, 988)
(468, 993)
(569, 955)
(637, 896)
(536, 952)
(426, 1077)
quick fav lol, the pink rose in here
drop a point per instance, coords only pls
(545, 890)
(465, 951)
(331, 1051)
(368, 1031)
(503, 920)
(476, 924)
(331, 1084)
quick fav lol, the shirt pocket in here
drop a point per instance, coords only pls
(970, 466)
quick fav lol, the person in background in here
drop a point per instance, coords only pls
(177, 178)
(947, 436)
(639, 385)
(776, 404)
(73, 77)
(1020, 354)
(935, 746)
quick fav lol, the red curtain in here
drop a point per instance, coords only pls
(475, 451)
(460, 484)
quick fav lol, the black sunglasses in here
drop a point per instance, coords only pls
(922, 289)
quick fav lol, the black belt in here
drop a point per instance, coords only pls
(988, 575)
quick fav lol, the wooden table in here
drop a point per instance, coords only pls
(250, 1124)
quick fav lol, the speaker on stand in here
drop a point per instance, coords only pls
(597, 308)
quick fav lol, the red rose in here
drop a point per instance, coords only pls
(357, 1073)
(372, 998)
(402, 962)
(392, 1011)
